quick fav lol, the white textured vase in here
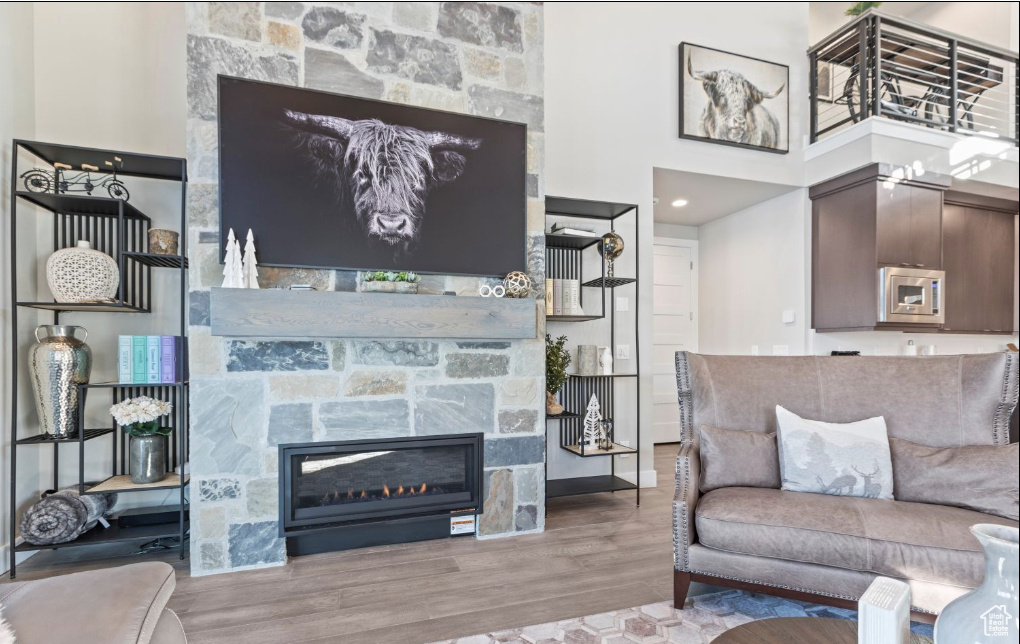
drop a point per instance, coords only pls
(81, 274)
(989, 614)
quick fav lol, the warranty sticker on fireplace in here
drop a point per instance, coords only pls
(354, 494)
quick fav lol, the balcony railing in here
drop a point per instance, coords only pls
(880, 65)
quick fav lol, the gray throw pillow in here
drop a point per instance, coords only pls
(736, 458)
(840, 459)
(984, 478)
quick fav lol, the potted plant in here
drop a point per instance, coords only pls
(389, 282)
(139, 418)
(557, 359)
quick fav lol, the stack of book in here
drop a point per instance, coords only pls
(151, 359)
(575, 230)
(563, 297)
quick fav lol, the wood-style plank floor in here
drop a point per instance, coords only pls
(598, 553)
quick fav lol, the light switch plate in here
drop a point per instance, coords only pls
(754, 350)
(622, 304)
(623, 352)
(789, 316)
(780, 350)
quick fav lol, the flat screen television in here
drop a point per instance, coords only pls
(331, 181)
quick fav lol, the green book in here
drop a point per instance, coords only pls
(139, 359)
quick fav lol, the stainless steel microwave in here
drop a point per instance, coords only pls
(911, 296)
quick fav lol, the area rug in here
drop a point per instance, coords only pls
(704, 619)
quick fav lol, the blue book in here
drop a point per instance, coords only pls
(124, 360)
(152, 349)
(139, 373)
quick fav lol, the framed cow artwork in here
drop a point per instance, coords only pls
(734, 100)
(338, 182)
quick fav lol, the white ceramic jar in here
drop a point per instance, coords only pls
(81, 274)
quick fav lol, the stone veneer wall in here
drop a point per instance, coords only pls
(247, 396)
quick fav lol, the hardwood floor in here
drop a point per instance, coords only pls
(598, 553)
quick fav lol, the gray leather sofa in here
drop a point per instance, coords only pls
(125, 605)
(828, 549)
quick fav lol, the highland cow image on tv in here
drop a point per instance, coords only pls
(330, 181)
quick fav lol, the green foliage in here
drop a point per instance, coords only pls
(557, 359)
(391, 276)
(151, 428)
(858, 8)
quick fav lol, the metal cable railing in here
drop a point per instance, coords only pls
(883, 66)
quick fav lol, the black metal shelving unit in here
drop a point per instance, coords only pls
(119, 229)
(565, 257)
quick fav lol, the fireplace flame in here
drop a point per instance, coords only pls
(353, 496)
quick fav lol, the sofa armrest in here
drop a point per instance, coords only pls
(114, 606)
(688, 473)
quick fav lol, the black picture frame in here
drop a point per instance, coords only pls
(482, 228)
(687, 111)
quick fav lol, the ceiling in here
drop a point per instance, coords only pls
(709, 197)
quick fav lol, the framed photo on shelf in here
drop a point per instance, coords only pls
(735, 100)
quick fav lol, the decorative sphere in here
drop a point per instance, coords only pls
(611, 246)
(517, 285)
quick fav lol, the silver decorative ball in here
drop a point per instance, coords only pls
(517, 285)
(611, 246)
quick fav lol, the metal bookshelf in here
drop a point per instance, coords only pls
(565, 259)
(119, 229)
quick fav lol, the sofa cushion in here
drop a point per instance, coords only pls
(977, 477)
(843, 459)
(893, 538)
(734, 458)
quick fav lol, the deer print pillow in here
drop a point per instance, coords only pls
(850, 459)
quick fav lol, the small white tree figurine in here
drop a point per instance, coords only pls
(251, 271)
(592, 420)
(233, 274)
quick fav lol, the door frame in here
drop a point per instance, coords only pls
(695, 297)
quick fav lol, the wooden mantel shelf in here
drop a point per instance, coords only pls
(329, 314)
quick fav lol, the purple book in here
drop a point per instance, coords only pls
(168, 358)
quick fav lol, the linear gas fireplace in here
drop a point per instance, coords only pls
(353, 494)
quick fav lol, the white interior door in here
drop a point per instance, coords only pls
(674, 326)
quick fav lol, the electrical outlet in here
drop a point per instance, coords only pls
(625, 444)
(754, 350)
(622, 304)
(780, 350)
(789, 316)
(623, 352)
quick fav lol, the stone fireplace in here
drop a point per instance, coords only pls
(251, 395)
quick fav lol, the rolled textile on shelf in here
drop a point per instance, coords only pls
(60, 517)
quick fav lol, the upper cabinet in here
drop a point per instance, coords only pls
(909, 225)
(880, 215)
(980, 256)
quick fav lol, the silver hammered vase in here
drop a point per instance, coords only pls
(989, 614)
(57, 363)
(147, 459)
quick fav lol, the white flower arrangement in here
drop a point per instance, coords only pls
(139, 416)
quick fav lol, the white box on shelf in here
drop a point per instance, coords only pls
(884, 613)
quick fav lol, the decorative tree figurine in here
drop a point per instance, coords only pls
(592, 421)
(232, 263)
(251, 271)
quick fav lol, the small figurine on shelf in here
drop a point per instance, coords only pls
(57, 181)
(592, 421)
(233, 272)
(250, 268)
(606, 435)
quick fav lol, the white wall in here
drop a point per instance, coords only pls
(611, 111)
(676, 231)
(753, 268)
(129, 94)
(16, 121)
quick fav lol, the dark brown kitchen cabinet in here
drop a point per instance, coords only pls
(979, 255)
(909, 225)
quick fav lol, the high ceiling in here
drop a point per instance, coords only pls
(709, 197)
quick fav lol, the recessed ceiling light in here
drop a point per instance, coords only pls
(679, 203)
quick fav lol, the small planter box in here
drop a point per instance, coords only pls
(410, 288)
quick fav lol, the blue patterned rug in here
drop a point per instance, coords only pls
(705, 618)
